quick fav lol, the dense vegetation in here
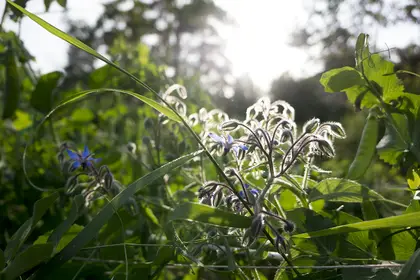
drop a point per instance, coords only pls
(117, 173)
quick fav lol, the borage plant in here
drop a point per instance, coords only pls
(261, 209)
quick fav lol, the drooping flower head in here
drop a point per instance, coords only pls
(228, 143)
(84, 159)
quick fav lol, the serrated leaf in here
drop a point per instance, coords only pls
(401, 221)
(91, 230)
(42, 96)
(196, 212)
(19, 237)
(28, 259)
(366, 150)
(342, 190)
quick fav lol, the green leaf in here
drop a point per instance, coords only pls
(42, 96)
(401, 221)
(91, 230)
(65, 238)
(411, 268)
(341, 79)
(209, 215)
(377, 69)
(73, 41)
(62, 3)
(12, 85)
(394, 143)
(60, 230)
(28, 259)
(23, 120)
(47, 4)
(361, 47)
(354, 244)
(366, 149)
(342, 190)
(40, 208)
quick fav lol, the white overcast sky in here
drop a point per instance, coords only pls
(257, 45)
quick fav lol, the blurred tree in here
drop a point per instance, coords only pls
(181, 34)
(243, 95)
(335, 24)
(308, 98)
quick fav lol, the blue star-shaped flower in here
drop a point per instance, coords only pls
(228, 143)
(255, 192)
(85, 159)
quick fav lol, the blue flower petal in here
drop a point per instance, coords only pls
(76, 165)
(229, 140)
(73, 155)
(241, 193)
(243, 147)
(217, 138)
(254, 191)
(85, 153)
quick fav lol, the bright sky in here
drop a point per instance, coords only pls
(257, 45)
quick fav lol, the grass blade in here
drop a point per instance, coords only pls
(401, 221)
(209, 215)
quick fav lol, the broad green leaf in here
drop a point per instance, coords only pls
(73, 41)
(403, 244)
(366, 149)
(209, 215)
(91, 230)
(28, 259)
(2, 260)
(354, 244)
(60, 230)
(342, 190)
(411, 268)
(12, 85)
(42, 96)
(306, 220)
(377, 69)
(40, 208)
(401, 221)
(341, 79)
(65, 238)
(395, 141)
(385, 245)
